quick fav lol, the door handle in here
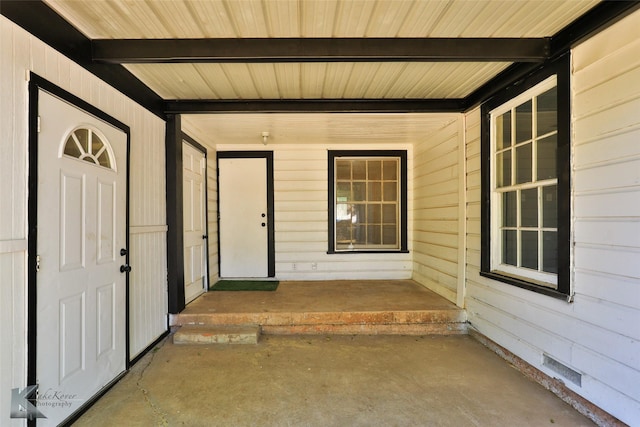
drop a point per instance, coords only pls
(204, 237)
(126, 268)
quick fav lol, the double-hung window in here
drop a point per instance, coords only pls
(526, 184)
(367, 201)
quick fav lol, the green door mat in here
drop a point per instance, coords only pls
(245, 285)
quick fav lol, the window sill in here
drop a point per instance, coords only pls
(520, 283)
(369, 251)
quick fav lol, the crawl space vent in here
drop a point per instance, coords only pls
(563, 370)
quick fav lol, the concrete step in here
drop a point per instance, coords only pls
(217, 334)
(404, 322)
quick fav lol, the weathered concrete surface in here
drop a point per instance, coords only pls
(331, 307)
(191, 334)
(330, 381)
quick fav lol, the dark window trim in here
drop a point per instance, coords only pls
(402, 155)
(271, 235)
(562, 69)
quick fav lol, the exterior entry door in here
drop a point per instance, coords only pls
(81, 247)
(194, 219)
(245, 211)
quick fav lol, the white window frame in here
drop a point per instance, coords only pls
(542, 278)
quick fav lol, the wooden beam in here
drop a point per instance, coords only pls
(39, 19)
(140, 51)
(315, 106)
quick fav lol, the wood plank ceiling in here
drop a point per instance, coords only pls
(415, 79)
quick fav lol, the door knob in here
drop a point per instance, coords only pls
(125, 268)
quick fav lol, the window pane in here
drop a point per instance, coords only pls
(523, 164)
(343, 212)
(390, 191)
(343, 191)
(359, 169)
(523, 122)
(389, 214)
(509, 209)
(374, 236)
(547, 112)
(375, 191)
(504, 169)
(83, 139)
(374, 214)
(529, 249)
(375, 169)
(343, 231)
(359, 192)
(96, 143)
(550, 251)
(509, 247)
(503, 131)
(549, 206)
(343, 170)
(390, 170)
(104, 159)
(389, 235)
(358, 214)
(547, 157)
(529, 208)
(359, 234)
(71, 148)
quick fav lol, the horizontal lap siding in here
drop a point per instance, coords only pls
(19, 53)
(436, 211)
(301, 228)
(598, 334)
(14, 56)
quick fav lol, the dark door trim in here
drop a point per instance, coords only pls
(37, 83)
(268, 156)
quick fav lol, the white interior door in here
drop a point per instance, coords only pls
(81, 229)
(244, 239)
(194, 220)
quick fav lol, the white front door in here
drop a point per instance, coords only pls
(244, 241)
(81, 305)
(194, 220)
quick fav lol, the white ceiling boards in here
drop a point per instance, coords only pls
(400, 51)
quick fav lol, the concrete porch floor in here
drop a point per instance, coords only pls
(329, 381)
(336, 307)
(339, 373)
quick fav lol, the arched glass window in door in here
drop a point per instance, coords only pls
(85, 144)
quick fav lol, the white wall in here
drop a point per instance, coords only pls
(598, 334)
(301, 229)
(20, 52)
(436, 204)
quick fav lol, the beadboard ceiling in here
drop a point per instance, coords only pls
(334, 79)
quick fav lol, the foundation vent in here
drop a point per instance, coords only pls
(563, 370)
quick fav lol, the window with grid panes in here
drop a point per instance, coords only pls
(367, 201)
(524, 196)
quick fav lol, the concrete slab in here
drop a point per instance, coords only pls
(192, 334)
(330, 381)
(336, 307)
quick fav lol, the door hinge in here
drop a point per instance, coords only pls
(37, 263)
(38, 124)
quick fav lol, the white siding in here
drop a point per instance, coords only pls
(301, 229)
(436, 211)
(20, 52)
(598, 334)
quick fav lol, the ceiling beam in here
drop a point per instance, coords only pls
(140, 51)
(315, 106)
(40, 20)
